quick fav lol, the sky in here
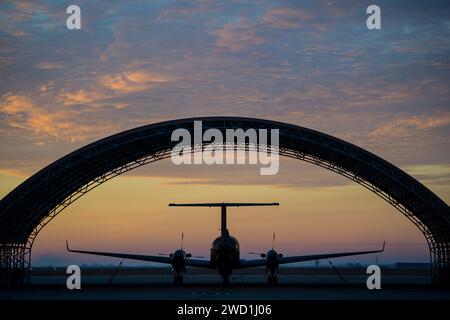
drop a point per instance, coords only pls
(309, 63)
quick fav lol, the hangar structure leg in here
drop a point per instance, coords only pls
(14, 264)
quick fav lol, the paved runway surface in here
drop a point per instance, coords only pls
(156, 285)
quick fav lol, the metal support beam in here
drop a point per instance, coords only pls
(33, 204)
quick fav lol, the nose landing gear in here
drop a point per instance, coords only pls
(272, 278)
(178, 279)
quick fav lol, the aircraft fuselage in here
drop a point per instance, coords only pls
(225, 255)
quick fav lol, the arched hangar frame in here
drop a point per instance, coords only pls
(34, 203)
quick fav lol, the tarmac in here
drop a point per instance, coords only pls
(293, 284)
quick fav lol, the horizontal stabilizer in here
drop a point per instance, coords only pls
(224, 204)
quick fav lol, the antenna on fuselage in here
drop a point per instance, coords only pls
(182, 240)
(273, 241)
(223, 210)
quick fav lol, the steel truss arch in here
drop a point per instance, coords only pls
(34, 203)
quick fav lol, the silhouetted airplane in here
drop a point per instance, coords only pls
(225, 251)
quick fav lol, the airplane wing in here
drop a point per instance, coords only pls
(292, 259)
(251, 263)
(199, 263)
(189, 262)
(159, 259)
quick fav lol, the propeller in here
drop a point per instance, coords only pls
(171, 254)
(280, 255)
(263, 255)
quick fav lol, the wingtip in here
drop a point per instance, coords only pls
(384, 245)
(67, 246)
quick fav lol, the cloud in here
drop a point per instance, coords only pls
(24, 114)
(433, 174)
(20, 33)
(293, 174)
(188, 10)
(237, 37)
(403, 126)
(121, 83)
(14, 173)
(23, 10)
(47, 87)
(24, 5)
(132, 81)
(431, 170)
(80, 97)
(49, 65)
(285, 18)
(15, 104)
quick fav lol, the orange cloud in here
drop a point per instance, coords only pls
(237, 37)
(22, 113)
(14, 173)
(14, 104)
(79, 97)
(119, 83)
(402, 126)
(23, 10)
(132, 81)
